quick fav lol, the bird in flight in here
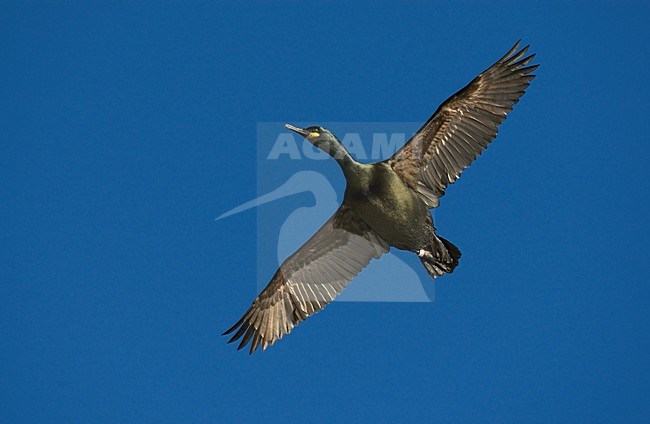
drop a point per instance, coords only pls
(386, 204)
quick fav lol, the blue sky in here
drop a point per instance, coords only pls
(128, 127)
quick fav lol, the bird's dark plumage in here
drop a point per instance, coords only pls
(387, 203)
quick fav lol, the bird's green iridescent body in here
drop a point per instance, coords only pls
(392, 209)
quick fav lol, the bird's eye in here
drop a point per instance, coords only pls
(313, 134)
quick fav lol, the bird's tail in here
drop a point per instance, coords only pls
(441, 257)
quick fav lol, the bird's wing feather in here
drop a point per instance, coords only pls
(309, 279)
(462, 127)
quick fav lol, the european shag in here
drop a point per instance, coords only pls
(386, 204)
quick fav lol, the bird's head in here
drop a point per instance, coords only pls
(319, 137)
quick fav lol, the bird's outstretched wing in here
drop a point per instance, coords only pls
(462, 127)
(309, 279)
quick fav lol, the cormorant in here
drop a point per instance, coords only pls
(387, 203)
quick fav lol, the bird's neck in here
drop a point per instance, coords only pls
(349, 166)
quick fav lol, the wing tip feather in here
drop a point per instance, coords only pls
(510, 52)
